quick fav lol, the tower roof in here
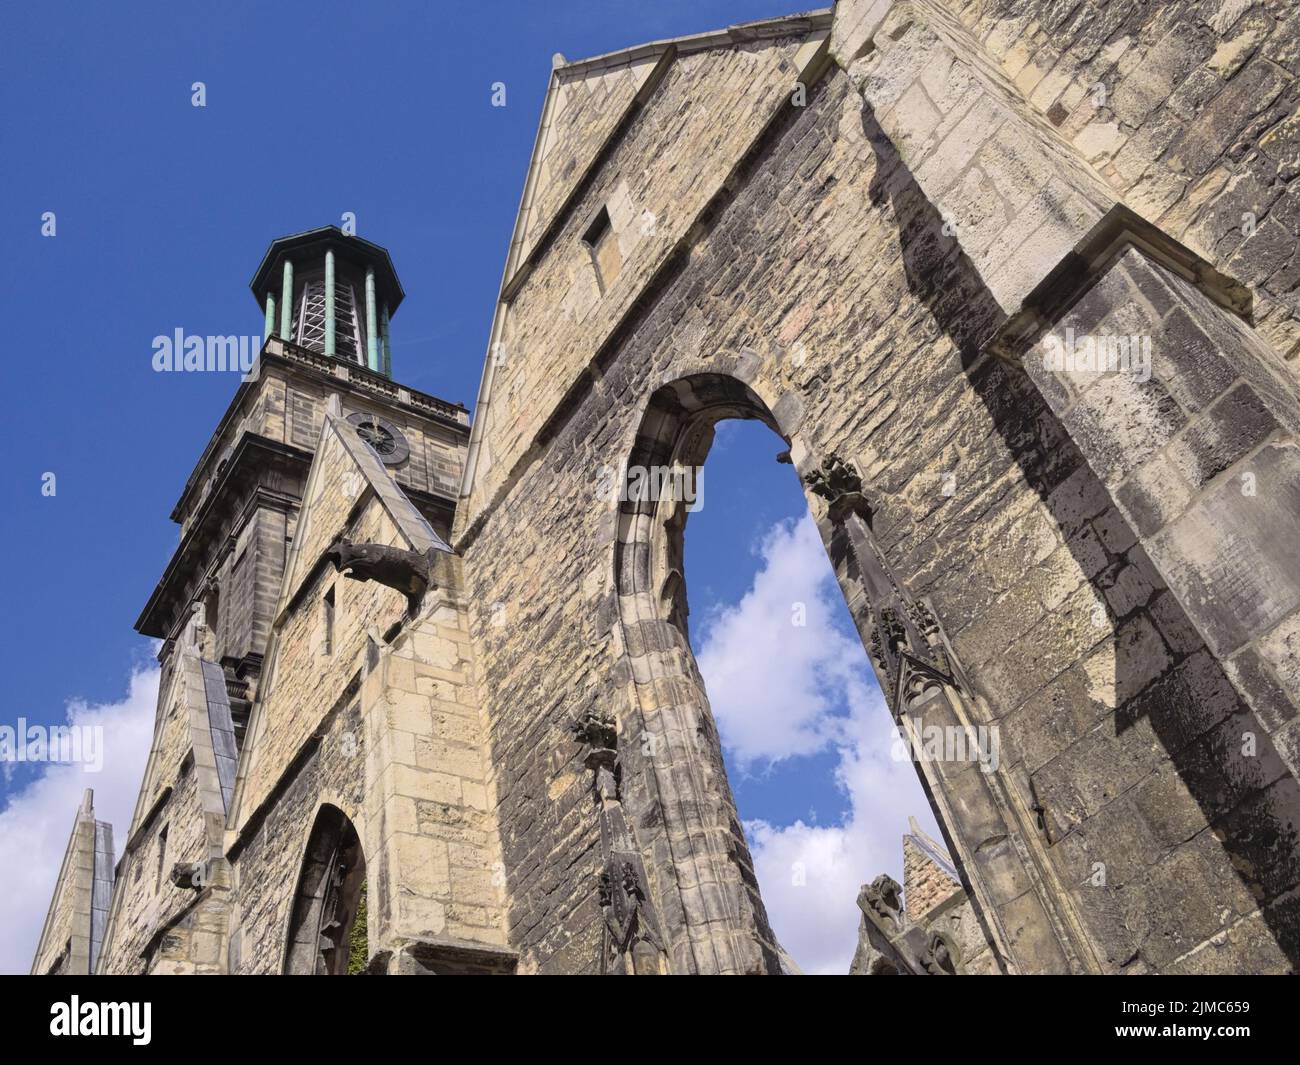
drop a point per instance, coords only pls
(311, 244)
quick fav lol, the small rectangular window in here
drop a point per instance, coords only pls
(602, 244)
(162, 857)
(327, 642)
(599, 228)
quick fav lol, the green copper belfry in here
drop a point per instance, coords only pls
(334, 294)
(372, 322)
(383, 334)
(286, 303)
(330, 323)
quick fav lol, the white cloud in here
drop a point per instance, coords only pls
(774, 685)
(36, 823)
(780, 690)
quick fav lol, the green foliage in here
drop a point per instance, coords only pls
(358, 947)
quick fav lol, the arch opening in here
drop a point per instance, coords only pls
(324, 939)
(710, 892)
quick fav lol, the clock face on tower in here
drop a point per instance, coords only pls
(385, 438)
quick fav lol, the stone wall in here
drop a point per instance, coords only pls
(248, 584)
(825, 271)
(308, 675)
(156, 924)
(1188, 110)
(375, 714)
(552, 537)
(925, 885)
(267, 866)
(560, 317)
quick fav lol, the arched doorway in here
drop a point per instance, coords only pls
(329, 898)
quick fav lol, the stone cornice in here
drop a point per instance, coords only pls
(739, 33)
(252, 453)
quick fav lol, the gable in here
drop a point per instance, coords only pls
(674, 151)
(343, 471)
(585, 104)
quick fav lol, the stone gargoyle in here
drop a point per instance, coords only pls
(884, 897)
(189, 875)
(408, 572)
(839, 484)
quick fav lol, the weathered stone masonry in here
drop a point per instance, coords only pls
(804, 260)
(74, 927)
(863, 227)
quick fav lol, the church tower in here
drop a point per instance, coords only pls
(315, 750)
(327, 298)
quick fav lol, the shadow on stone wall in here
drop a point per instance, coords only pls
(1187, 857)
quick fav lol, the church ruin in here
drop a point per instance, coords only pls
(428, 702)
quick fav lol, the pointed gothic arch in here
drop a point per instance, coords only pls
(326, 900)
(699, 877)
(712, 910)
(714, 915)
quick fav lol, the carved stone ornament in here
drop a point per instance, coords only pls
(893, 632)
(924, 620)
(187, 875)
(940, 957)
(599, 733)
(622, 900)
(632, 942)
(839, 484)
(596, 730)
(408, 572)
(883, 897)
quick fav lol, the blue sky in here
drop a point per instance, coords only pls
(806, 735)
(163, 211)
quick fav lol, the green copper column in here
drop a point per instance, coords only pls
(388, 348)
(269, 330)
(329, 302)
(372, 323)
(286, 302)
